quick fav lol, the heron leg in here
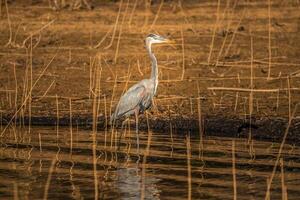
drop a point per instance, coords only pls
(137, 130)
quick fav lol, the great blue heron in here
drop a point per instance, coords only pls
(139, 97)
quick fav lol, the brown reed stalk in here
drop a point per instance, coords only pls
(40, 143)
(132, 12)
(269, 39)
(251, 148)
(115, 26)
(257, 106)
(110, 112)
(146, 153)
(57, 117)
(9, 25)
(290, 96)
(225, 10)
(234, 33)
(25, 88)
(277, 100)
(120, 32)
(70, 56)
(170, 129)
(106, 121)
(129, 145)
(267, 196)
(71, 126)
(96, 194)
(16, 86)
(36, 32)
(268, 190)
(98, 91)
(22, 116)
(201, 148)
(185, 17)
(214, 33)
(244, 89)
(109, 68)
(113, 95)
(8, 96)
(104, 37)
(47, 90)
(49, 179)
(227, 29)
(157, 14)
(16, 90)
(284, 194)
(30, 86)
(189, 170)
(234, 171)
(94, 80)
(126, 83)
(147, 13)
(90, 77)
(251, 92)
(183, 53)
(15, 132)
(139, 67)
(236, 101)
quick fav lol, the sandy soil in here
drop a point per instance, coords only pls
(230, 63)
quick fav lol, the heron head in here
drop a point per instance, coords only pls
(155, 39)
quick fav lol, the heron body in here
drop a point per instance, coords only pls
(139, 97)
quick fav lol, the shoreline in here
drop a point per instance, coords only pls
(265, 129)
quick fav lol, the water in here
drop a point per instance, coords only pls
(26, 160)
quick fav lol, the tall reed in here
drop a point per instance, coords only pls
(189, 169)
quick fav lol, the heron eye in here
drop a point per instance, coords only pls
(151, 35)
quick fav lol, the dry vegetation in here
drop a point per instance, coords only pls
(234, 67)
(233, 60)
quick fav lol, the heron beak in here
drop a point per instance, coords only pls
(168, 41)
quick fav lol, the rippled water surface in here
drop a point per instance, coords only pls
(44, 163)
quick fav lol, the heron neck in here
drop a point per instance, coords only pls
(154, 71)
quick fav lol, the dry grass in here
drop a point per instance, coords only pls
(237, 60)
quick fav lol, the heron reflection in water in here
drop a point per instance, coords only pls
(139, 97)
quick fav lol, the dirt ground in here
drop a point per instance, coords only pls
(232, 62)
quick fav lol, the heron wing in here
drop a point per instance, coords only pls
(130, 100)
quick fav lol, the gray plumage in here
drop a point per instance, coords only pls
(139, 97)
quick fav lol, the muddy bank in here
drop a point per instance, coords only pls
(268, 129)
